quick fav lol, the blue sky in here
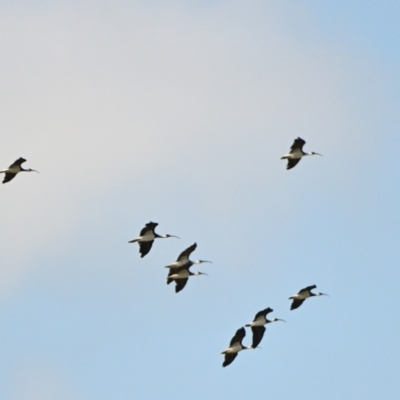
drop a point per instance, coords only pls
(178, 112)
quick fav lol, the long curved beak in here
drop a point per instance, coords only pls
(278, 319)
(173, 236)
(203, 273)
(324, 294)
(205, 261)
(317, 154)
(34, 170)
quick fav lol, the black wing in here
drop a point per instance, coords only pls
(145, 247)
(292, 162)
(186, 253)
(148, 227)
(18, 162)
(308, 288)
(171, 271)
(298, 144)
(263, 312)
(180, 284)
(8, 177)
(258, 333)
(239, 335)
(296, 303)
(229, 357)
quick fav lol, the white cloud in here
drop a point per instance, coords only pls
(97, 95)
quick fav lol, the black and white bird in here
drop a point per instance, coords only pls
(296, 153)
(181, 275)
(257, 325)
(235, 346)
(304, 294)
(147, 236)
(14, 169)
(183, 258)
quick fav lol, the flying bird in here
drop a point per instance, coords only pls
(257, 326)
(303, 294)
(181, 275)
(147, 236)
(15, 168)
(234, 347)
(296, 153)
(183, 258)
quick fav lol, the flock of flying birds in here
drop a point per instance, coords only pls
(179, 270)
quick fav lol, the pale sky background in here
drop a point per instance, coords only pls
(178, 112)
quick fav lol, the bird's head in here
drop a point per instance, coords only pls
(277, 319)
(201, 261)
(31, 170)
(321, 294)
(200, 273)
(315, 154)
(168, 236)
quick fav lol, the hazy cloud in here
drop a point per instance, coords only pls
(97, 95)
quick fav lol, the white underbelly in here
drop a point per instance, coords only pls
(236, 348)
(258, 322)
(14, 170)
(296, 154)
(301, 296)
(176, 264)
(180, 275)
(148, 237)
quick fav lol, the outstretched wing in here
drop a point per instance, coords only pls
(263, 312)
(229, 357)
(145, 247)
(238, 337)
(8, 177)
(292, 162)
(17, 162)
(186, 253)
(180, 284)
(258, 333)
(307, 289)
(298, 144)
(148, 227)
(296, 303)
